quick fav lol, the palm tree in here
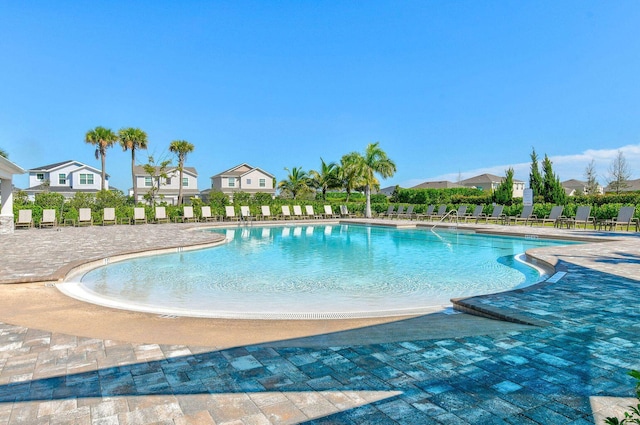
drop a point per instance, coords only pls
(4, 153)
(297, 182)
(326, 178)
(181, 148)
(350, 172)
(102, 138)
(133, 139)
(375, 160)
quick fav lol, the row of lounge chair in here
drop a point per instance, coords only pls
(582, 218)
(85, 218)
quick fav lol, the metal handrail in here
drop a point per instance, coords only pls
(452, 212)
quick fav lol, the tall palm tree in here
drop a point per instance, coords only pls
(102, 138)
(375, 161)
(181, 148)
(297, 182)
(326, 178)
(133, 139)
(350, 172)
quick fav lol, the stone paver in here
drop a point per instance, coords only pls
(568, 371)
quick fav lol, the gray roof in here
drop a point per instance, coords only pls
(138, 170)
(232, 171)
(483, 178)
(445, 184)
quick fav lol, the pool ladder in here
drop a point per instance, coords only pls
(448, 215)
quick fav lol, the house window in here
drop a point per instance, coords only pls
(248, 181)
(62, 179)
(185, 181)
(262, 182)
(86, 178)
(232, 182)
(168, 181)
(148, 182)
(40, 176)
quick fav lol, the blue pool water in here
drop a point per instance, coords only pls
(318, 270)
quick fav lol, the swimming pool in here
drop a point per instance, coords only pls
(315, 271)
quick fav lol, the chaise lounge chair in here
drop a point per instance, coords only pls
(459, 214)
(266, 213)
(245, 213)
(442, 211)
(328, 212)
(25, 219)
(108, 216)
(496, 215)
(286, 213)
(476, 214)
(344, 212)
(582, 216)
(230, 213)
(187, 215)
(206, 214)
(389, 212)
(310, 212)
(84, 217)
(625, 218)
(427, 213)
(297, 212)
(408, 214)
(161, 215)
(48, 218)
(139, 215)
(526, 215)
(555, 217)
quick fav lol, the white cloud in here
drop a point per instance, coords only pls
(565, 166)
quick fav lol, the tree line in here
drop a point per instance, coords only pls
(354, 172)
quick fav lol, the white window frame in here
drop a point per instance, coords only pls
(148, 181)
(185, 182)
(62, 178)
(262, 182)
(231, 182)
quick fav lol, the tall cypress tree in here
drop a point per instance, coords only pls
(504, 192)
(535, 179)
(552, 189)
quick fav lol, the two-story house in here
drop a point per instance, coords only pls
(575, 187)
(66, 178)
(242, 178)
(490, 182)
(167, 188)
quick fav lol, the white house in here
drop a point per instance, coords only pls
(169, 186)
(575, 187)
(490, 182)
(7, 170)
(243, 178)
(67, 178)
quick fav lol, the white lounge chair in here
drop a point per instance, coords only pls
(266, 212)
(84, 217)
(310, 212)
(245, 213)
(161, 215)
(48, 218)
(297, 212)
(25, 219)
(206, 214)
(187, 215)
(344, 212)
(230, 213)
(328, 212)
(108, 216)
(139, 215)
(286, 213)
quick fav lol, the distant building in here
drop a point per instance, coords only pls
(490, 182)
(630, 186)
(575, 187)
(169, 186)
(242, 178)
(7, 171)
(445, 184)
(66, 178)
(388, 191)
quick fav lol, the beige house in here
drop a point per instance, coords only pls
(169, 186)
(242, 178)
(7, 170)
(575, 187)
(490, 182)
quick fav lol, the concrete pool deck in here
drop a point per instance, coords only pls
(63, 361)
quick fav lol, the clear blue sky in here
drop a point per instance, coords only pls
(446, 87)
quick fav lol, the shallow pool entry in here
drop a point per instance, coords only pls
(315, 271)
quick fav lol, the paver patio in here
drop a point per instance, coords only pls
(568, 370)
